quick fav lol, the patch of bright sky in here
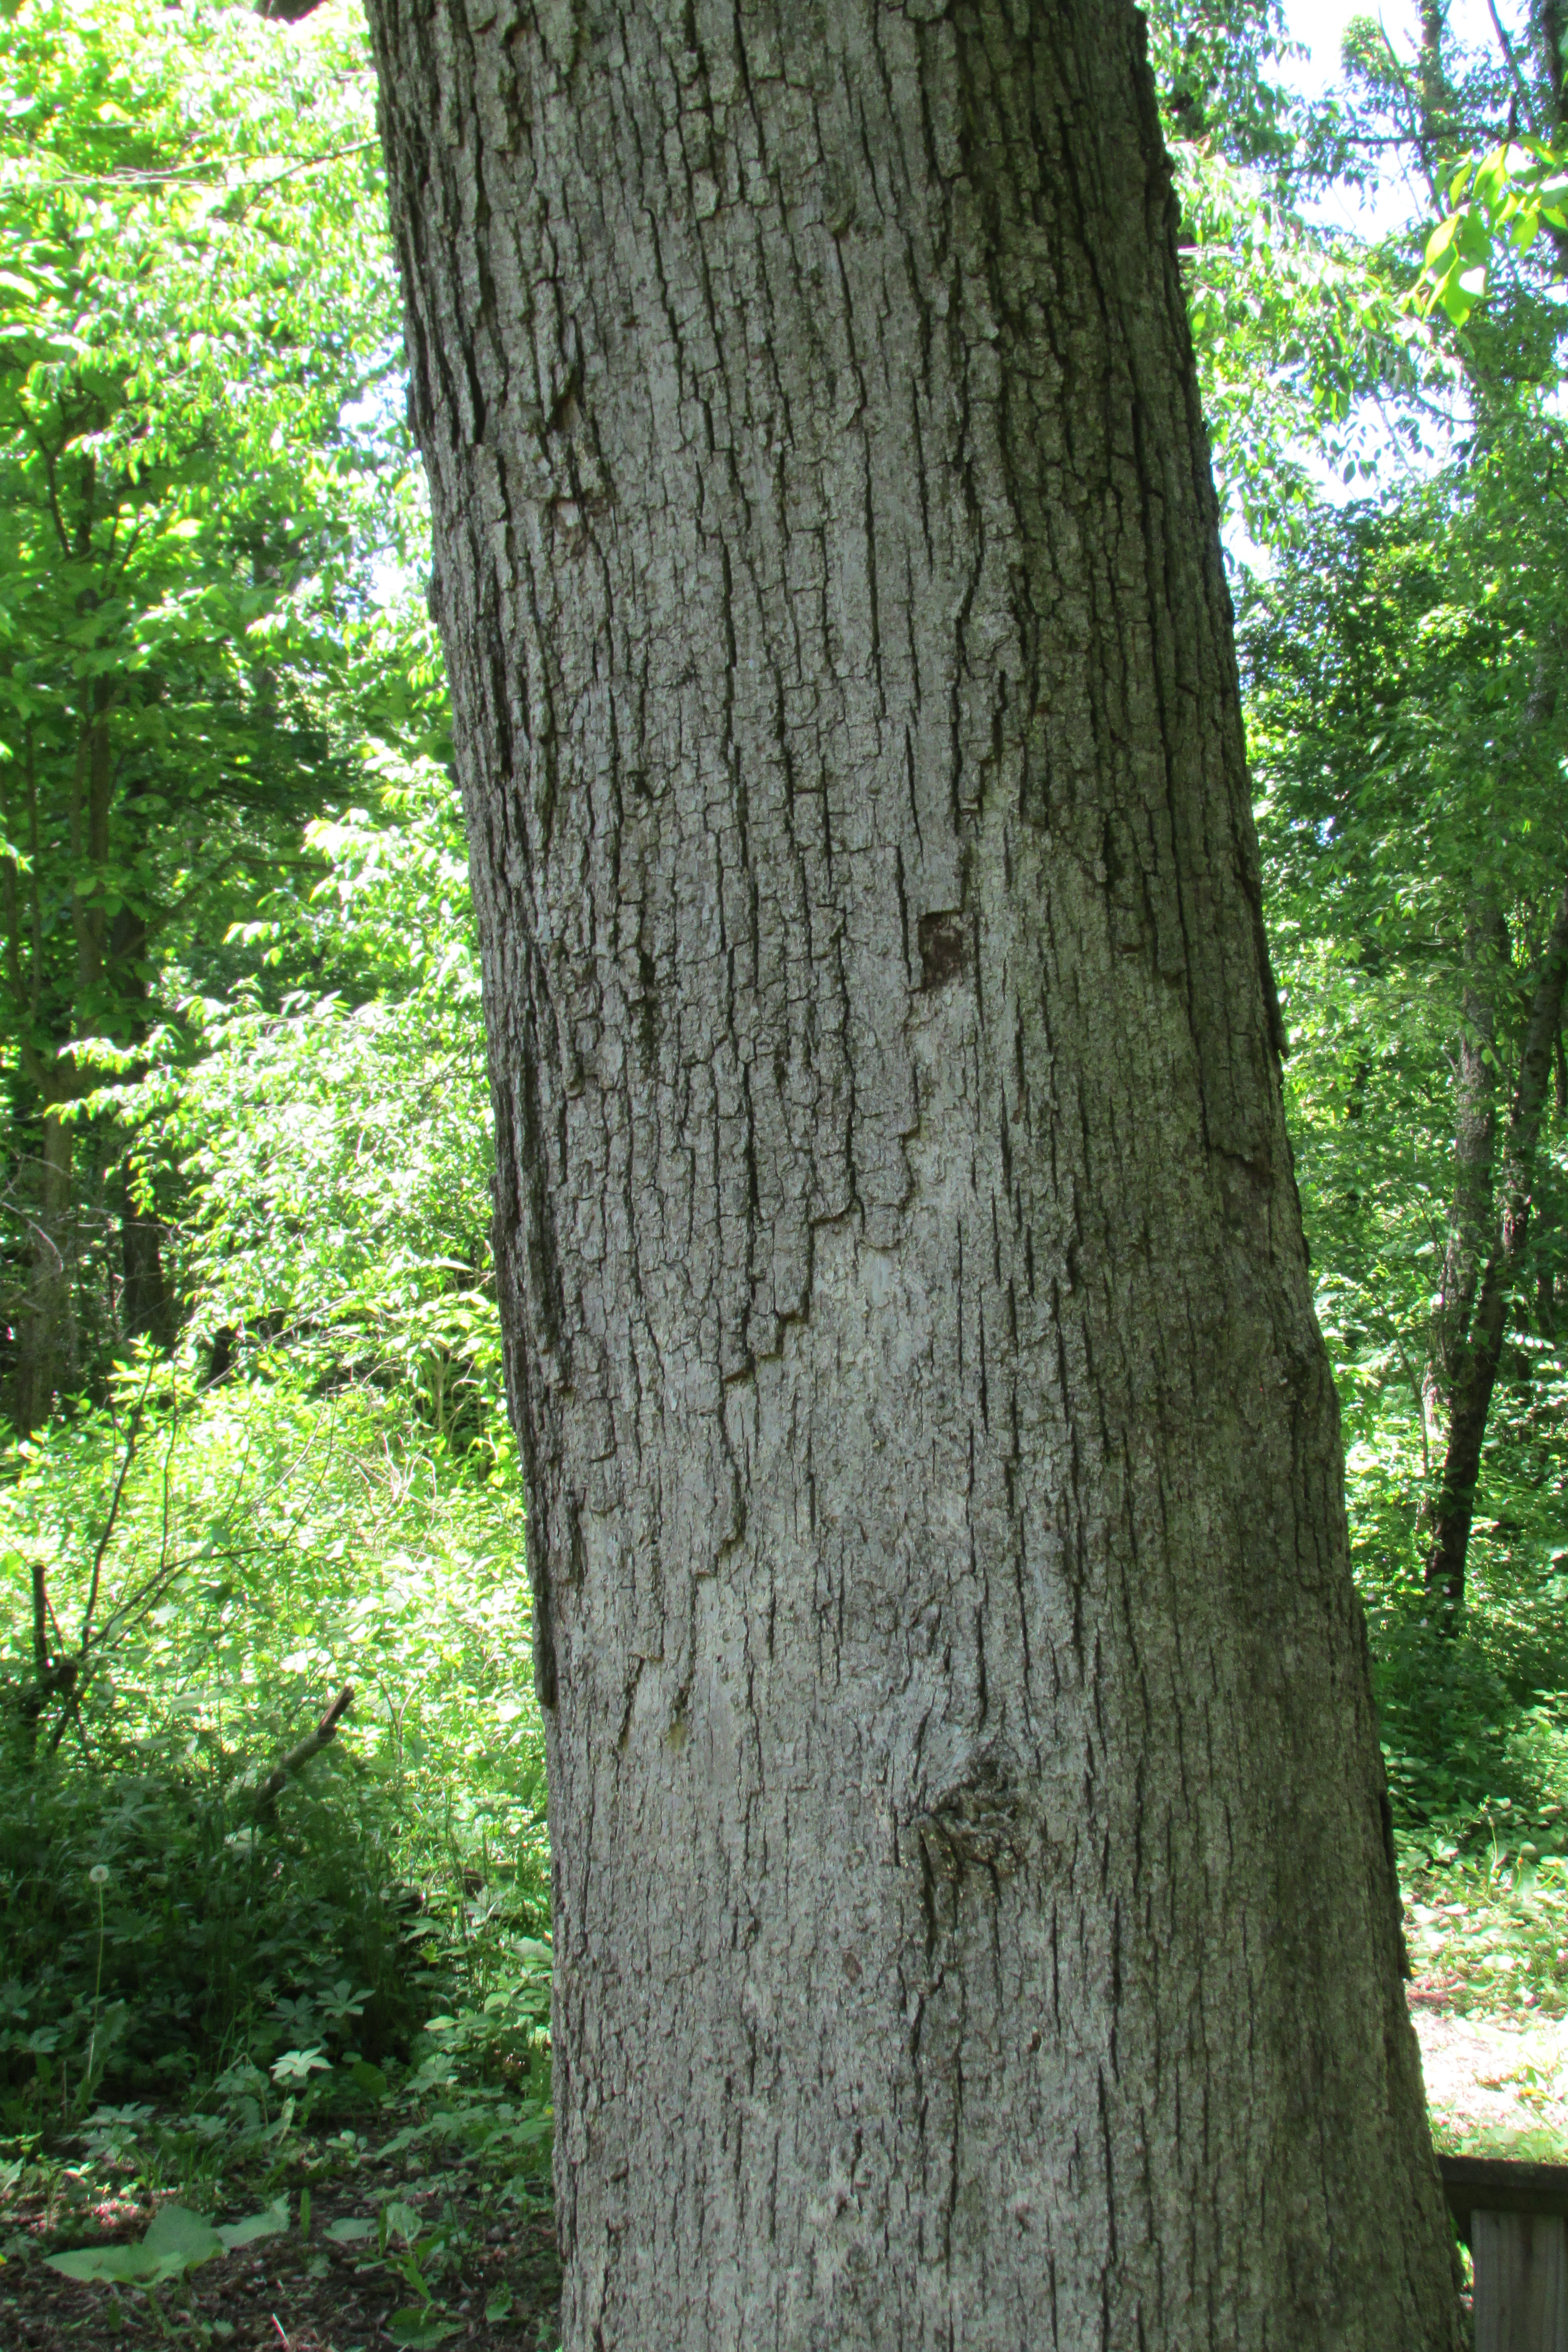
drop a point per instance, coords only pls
(1318, 27)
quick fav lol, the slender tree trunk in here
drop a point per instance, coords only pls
(47, 1350)
(1477, 1369)
(92, 792)
(1547, 1258)
(1435, 94)
(147, 1305)
(146, 1302)
(976, 1912)
(1470, 1219)
(1550, 29)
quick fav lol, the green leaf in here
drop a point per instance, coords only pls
(270, 2224)
(176, 2242)
(299, 2065)
(103, 2266)
(175, 2232)
(420, 2330)
(350, 2230)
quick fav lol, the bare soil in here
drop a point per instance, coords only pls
(1490, 2079)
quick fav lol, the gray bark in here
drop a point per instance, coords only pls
(975, 1916)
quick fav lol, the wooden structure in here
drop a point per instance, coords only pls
(1514, 2219)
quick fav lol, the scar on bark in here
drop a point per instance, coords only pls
(944, 947)
(981, 1823)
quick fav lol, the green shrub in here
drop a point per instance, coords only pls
(260, 1546)
(152, 1934)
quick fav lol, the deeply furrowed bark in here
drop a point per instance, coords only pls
(975, 1918)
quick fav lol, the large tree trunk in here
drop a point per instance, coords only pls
(975, 1914)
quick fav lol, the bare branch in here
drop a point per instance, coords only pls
(277, 1779)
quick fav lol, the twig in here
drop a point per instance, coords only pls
(70, 1713)
(203, 176)
(1512, 63)
(249, 188)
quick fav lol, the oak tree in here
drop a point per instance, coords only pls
(975, 1909)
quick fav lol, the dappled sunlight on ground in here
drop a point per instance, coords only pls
(1494, 2081)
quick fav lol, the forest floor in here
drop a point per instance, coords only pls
(1489, 1996)
(498, 2289)
(476, 2266)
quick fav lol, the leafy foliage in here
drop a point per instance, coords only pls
(197, 475)
(1214, 64)
(1302, 334)
(326, 1509)
(336, 1153)
(1501, 199)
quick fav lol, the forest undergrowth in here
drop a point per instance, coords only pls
(311, 2002)
(274, 2007)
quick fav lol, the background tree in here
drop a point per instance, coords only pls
(934, 1485)
(1444, 106)
(1401, 666)
(195, 306)
(1405, 728)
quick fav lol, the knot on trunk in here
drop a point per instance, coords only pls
(944, 947)
(983, 1821)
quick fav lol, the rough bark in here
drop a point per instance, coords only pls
(975, 1914)
(1481, 1355)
